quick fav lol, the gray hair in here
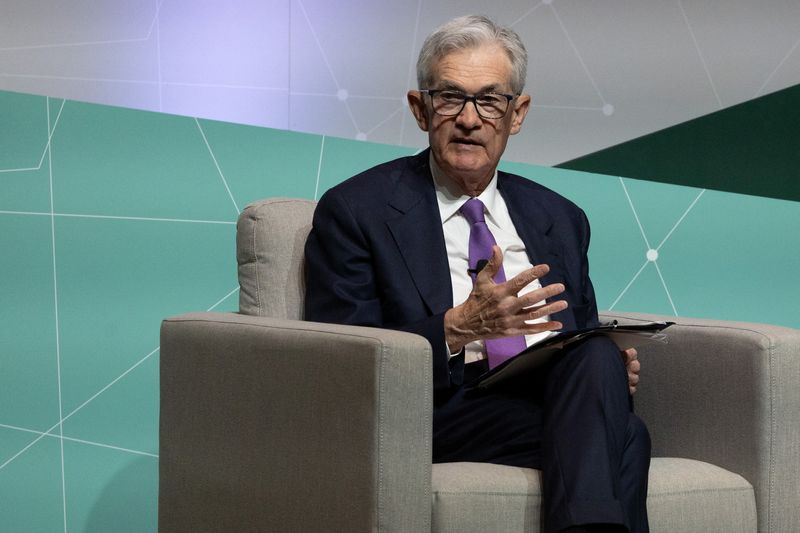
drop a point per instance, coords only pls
(471, 31)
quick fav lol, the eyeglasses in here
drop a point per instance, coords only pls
(449, 103)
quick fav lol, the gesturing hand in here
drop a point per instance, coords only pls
(495, 310)
(633, 366)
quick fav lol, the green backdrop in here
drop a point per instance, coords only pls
(111, 219)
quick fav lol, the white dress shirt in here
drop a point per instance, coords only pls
(456, 238)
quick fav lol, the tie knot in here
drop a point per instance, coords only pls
(473, 210)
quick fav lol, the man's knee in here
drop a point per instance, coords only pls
(597, 356)
(591, 372)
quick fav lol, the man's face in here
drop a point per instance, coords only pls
(466, 146)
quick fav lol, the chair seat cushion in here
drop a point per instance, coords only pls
(684, 496)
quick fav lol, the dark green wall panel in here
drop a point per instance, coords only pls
(750, 148)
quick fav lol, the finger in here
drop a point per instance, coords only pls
(628, 355)
(492, 267)
(513, 323)
(634, 367)
(521, 280)
(633, 383)
(547, 306)
(539, 327)
(523, 329)
(545, 293)
(538, 311)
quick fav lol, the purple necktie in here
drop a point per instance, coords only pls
(481, 241)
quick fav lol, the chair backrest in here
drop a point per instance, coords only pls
(270, 239)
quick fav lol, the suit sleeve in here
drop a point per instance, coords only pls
(589, 301)
(341, 285)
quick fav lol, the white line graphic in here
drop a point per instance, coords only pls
(216, 164)
(116, 217)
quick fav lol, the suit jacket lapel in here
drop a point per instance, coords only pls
(534, 226)
(417, 230)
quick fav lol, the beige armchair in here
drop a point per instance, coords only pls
(272, 424)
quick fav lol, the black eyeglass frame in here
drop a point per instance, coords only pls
(468, 98)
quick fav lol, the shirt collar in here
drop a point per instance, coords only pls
(450, 201)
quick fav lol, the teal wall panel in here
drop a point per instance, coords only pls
(715, 252)
(26, 191)
(342, 158)
(132, 274)
(31, 489)
(737, 257)
(123, 162)
(24, 128)
(28, 373)
(109, 490)
(253, 159)
(23, 145)
(142, 226)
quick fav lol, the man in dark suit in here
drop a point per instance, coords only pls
(481, 263)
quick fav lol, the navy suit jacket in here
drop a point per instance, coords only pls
(376, 254)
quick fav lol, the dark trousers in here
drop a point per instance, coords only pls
(572, 419)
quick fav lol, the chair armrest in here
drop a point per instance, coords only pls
(728, 393)
(279, 425)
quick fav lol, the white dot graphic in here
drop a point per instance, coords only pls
(652, 255)
(608, 110)
(361, 136)
(342, 94)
